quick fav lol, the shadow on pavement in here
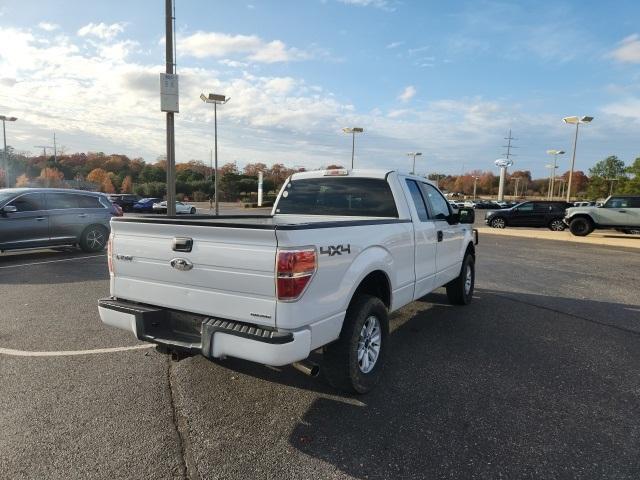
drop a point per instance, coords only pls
(494, 390)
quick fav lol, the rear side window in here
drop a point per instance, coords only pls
(418, 201)
(61, 201)
(634, 202)
(87, 201)
(343, 196)
(28, 203)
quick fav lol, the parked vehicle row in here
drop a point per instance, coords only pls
(45, 217)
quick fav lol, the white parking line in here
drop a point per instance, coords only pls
(27, 353)
(53, 261)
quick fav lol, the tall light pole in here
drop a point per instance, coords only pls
(577, 121)
(216, 99)
(414, 155)
(4, 152)
(353, 131)
(555, 154)
(552, 172)
(475, 185)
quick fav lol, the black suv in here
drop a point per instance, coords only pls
(530, 214)
(125, 200)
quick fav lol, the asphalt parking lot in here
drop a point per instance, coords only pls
(538, 378)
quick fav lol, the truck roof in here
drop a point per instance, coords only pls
(358, 172)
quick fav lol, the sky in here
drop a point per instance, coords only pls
(448, 79)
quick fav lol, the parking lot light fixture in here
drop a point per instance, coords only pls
(574, 121)
(5, 157)
(216, 99)
(414, 155)
(353, 131)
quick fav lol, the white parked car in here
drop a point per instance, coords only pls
(161, 207)
(341, 250)
(621, 212)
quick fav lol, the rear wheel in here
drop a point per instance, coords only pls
(192, 211)
(94, 238)
(355, 361)
(557, 225)
(581, 226)
(460, 290)
(498, 222)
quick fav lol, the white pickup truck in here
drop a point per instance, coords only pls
(341, 249)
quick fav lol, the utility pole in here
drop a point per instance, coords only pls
(171, 145)
(5, 155)
(55, 150)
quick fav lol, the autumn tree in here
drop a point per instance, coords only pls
(252, 169)
(127, 185)
(22, 181)
(50, 177)
(97, 175)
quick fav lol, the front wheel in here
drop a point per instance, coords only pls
(94, 238)
(581, 226)
(192, 211)
(460, 290)
(498, 222)
(355, 361)
(557, 225)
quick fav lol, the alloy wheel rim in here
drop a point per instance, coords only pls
(556, 225)
(498, 223)
(369, 344)
(95, 239)
(468, 280)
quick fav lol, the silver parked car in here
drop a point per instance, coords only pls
(44, 217)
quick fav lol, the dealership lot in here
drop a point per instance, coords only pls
(537, 378)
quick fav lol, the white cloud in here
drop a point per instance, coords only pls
(214, 44)
(628, 50)
(384, 4)
(393, 45)
(48, 27)
(407, 94)
(101, 30)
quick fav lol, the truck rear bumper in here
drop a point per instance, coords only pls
(211, 337)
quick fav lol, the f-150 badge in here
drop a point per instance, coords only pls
(332, 250)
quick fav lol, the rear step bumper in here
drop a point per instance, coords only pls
(211, 337)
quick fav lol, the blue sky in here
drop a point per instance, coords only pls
(445, 78)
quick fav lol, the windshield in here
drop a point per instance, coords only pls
(357, 197)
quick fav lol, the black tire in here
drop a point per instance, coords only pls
(581, 226)
(498, 222)
(557, 225)
(460, 290)
(340, 364)
(94, 238)
(192, 211)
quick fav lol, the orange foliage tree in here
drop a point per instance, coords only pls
(127, 185)
(50, 177)
(22, 181)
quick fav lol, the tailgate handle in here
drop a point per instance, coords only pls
(440, 235)
(182, 244)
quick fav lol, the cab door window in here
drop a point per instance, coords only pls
(439, 205)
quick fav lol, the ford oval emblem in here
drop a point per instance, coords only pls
(181, 264)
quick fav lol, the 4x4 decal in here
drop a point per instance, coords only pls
(332, 250)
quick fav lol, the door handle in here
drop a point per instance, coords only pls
(440, 235)
(622, 211)
(39, 219)
(83, 215)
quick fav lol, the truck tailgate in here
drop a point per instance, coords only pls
(229, 271)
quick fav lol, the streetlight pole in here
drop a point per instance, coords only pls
(414, 155)
(215, 99)
(475, 185)
(552, 178)
(577, 121)
(353, 131)
(4, 152)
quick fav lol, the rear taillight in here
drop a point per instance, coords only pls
(110, 254)
(294, 269)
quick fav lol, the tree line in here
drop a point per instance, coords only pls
(117, 173)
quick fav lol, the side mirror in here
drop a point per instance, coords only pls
(9, 209)
(467, 216)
